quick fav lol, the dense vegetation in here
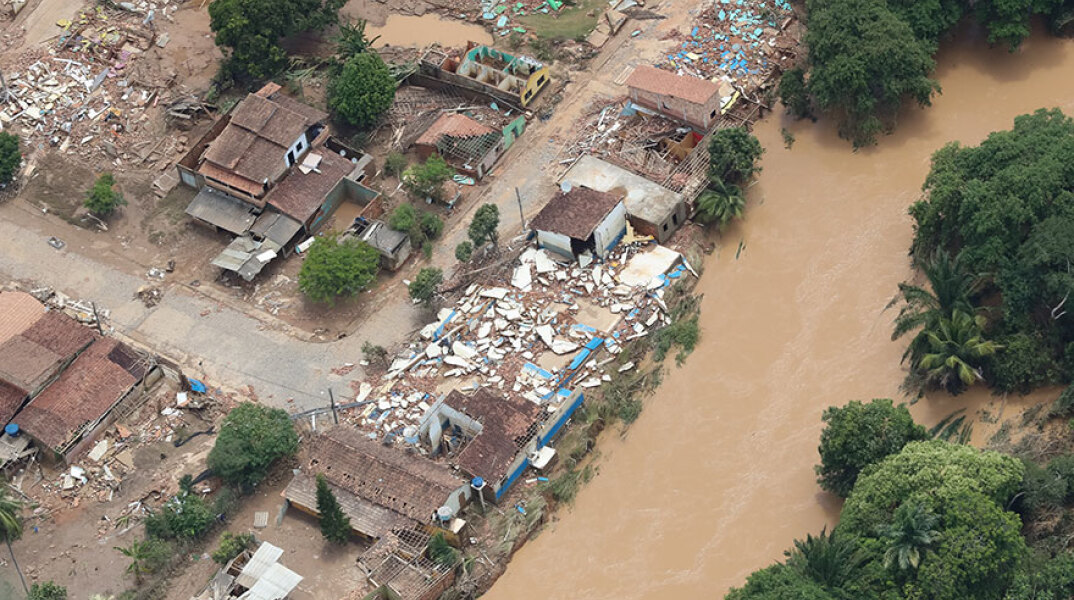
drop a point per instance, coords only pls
(867, 57)
(927, 520)
(251, 438)
(363, 90)
(994, 238)
(10, 157)
(733, 154)
(334, 268)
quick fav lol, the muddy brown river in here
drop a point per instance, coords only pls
(715, 479)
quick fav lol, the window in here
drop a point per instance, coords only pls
(540, 80)
(674, 220)
(712, 115)
(665, 226)
(528, 94)
(290, 158)
(299, 145)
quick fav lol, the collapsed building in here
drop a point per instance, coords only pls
(514, 79)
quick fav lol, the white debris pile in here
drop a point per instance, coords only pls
(558, 325)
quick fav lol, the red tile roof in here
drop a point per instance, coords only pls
(300, 195)
(60, 334)
(85, 392)
(575, 213)
(11, 398)
(18, 311)
(453, 124)
(506, 425)
(658, 81)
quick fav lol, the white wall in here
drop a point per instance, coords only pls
(300, 146)
(609, 229)
(555, 242)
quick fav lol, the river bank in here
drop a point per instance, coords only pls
(715, 479)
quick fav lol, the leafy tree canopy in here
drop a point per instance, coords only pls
(426, 180)
(363, 90)
(733, 154)
(334, 268)
(423, 288)
(10, 157)
(251, 438)
(102, 199)
(857, 435)
(483, 227)
(335, 525)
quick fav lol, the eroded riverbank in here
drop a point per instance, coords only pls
(715, 479)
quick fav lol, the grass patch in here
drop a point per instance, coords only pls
(570, 23)
(684, 330)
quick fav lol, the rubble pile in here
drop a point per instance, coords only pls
(90, 89)
(557, 324)
(739, 42)
(82, 311)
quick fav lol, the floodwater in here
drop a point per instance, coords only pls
(408, 30)
(716, 478)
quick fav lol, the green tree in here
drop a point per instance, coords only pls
(464, 251)
(829, 559)
(483, 226)
(249, 31)
(335, 526)
(232, 545)
(101, 199)
(424, 286)
(431, 225)
(10, 157)
(335, 268)
(909, 535)
(394, 164)
(47, 591)
(183, 516)
(1024, 364)
(363, 90)
(251, 438)
(352, 40)
(858, 435)
(956, 351)
(733, 154)
(146, 556)
(865, 61)
(793, 92)
(403, 218)
(780, 582)
(441, 552)
(721, 205)
(11, 527)
(426, 180)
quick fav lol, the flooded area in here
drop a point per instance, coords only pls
(716, 478)
(406, 30)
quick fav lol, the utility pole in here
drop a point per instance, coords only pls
(332, 399)
(97, 318)
(3, 88)
(521, 215)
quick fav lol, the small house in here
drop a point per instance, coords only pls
(490, 71)
(471, 147)
(684, 98)
(580, 219)
(394, 246)
(651, 208)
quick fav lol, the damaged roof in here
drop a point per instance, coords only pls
(575, 213)
(406, 483)
(506, 425)
(366, 518)
(35, 342)
(658, 81)
(300, 195)
(453, 124)
(84, 393)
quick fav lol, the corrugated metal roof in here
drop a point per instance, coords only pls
(221, 210)
(259, 564)
(275, 584)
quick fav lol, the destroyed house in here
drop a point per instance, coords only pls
(380, 488)
(685, 98)
(394, 246)
(253, 576)
(472, 147)
(264, 135)
(580, 219)
(490, 71)
(651, 208)
(36, 345)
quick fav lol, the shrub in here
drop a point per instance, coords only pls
(1064, 404)
(483, 227)
(423, 288)
(403, 218)
(793, 92)
(431, 225)
(232, 545)
(101, 199)
(464, 251)
(375, 354)
(251, 438)
(47, 591)
(394, 164)
(362, 91)
(184, 516)
(426, 180)
(333, 268)
(10, 157)
(441, 552)
(733, 154)
(146, 556)
(1023, 364)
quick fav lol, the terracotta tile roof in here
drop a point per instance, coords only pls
(11, 398)
(300, 195)
(506, 425)
(575, 213)
(366, 518)
(85, 392)
(453, 124)
(658, 81)
(60, 334)
(26, 364)
(212, 171)
(248, 156)
(409, 484)
(18, 311)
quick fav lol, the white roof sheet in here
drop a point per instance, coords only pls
(259, 564)
(276, 583)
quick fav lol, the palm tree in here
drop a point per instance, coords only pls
(140, 553)
(11, 526)
(951, 287)
(955, 346)
(722, 203)
(828, 559)
(911, 532)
